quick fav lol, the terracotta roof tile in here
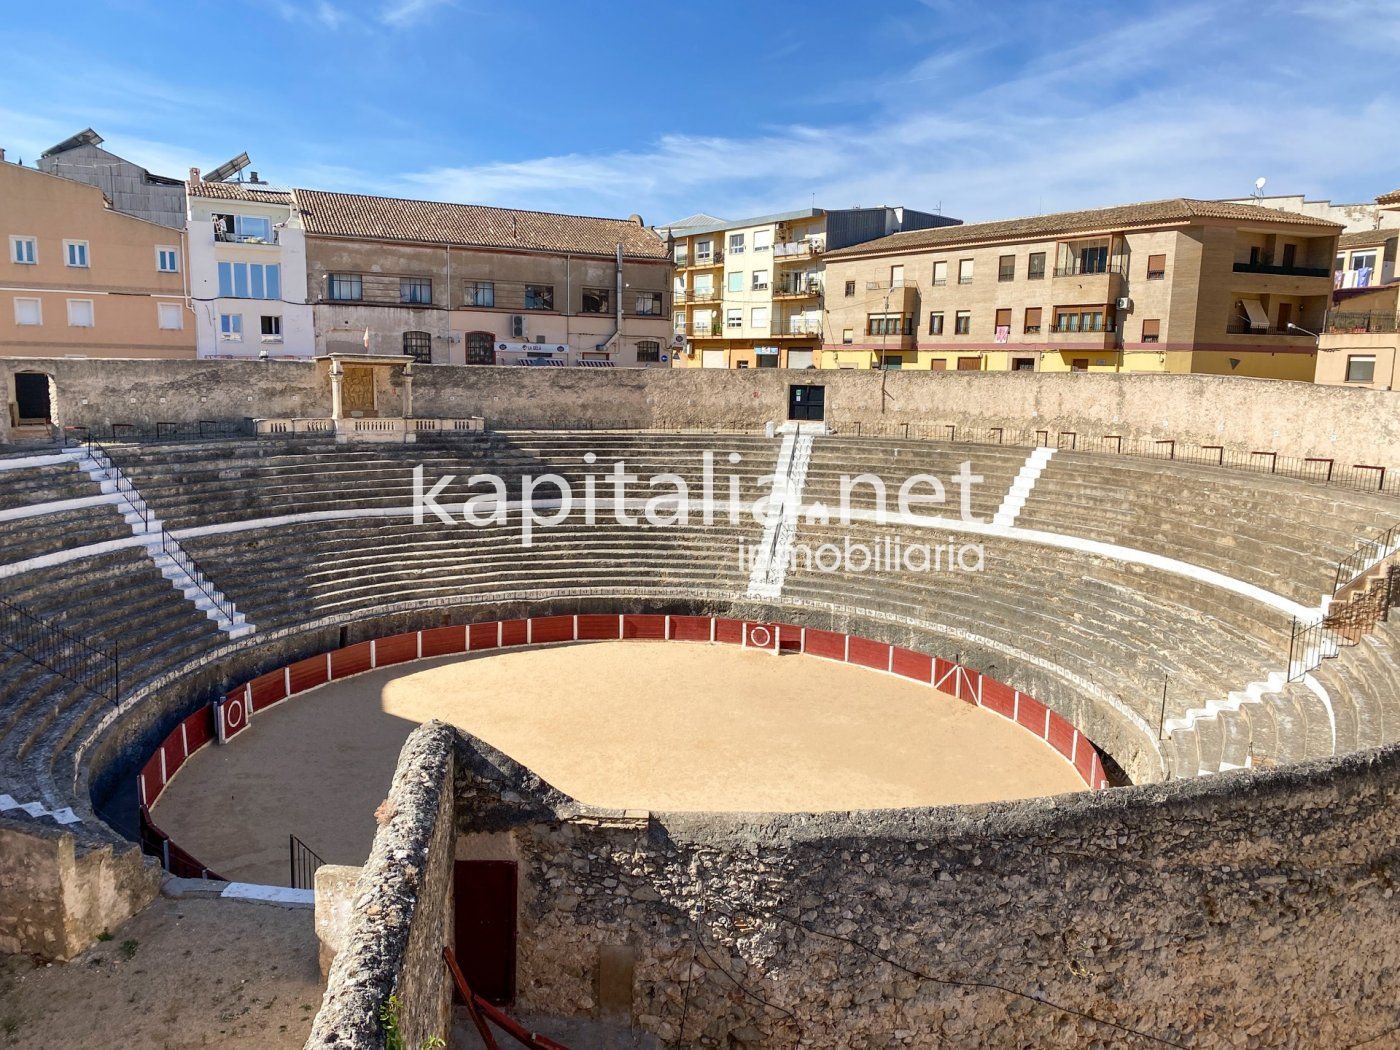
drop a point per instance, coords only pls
(1367, 238)
(1148, 214)
(236, 191)
(1393, 197)
(398, 219)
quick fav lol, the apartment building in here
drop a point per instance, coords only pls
(247, 269)
(1164, 286)
(1360, 343)
(84, 280)
(751, 293)
(128, 186)
(464, 284)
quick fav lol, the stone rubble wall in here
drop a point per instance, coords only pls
(402, 910)
(1230, 911)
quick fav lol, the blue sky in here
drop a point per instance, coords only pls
(986, 110)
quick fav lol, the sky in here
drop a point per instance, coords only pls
(980, 110)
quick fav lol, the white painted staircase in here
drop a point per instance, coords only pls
(1021, 486)
(169, 557)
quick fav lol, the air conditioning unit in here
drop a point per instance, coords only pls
(539, 339)
(517, 326)
(1124, 303)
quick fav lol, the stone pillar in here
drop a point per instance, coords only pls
(408, 391)
(337, 394)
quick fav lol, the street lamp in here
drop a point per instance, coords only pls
(1300, 328)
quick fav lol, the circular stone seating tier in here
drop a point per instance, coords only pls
(1089, 635)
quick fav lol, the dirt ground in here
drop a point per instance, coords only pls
(183, 973)
(659, 726)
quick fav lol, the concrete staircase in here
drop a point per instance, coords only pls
(1021, 486)
(774, 550)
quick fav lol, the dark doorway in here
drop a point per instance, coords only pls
(1285, 317)
(484, 900)
(807, 402)
(32, 397)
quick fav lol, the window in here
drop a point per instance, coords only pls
(734, 281)
(1361, 369)
(896, 276)
(762, 240)
(962, 323)
(1290, 256)
(415, 289)
(170, 316)
(648, 352)
(419, 346)
(734, 319)
(1082, 257)
(1035, 267)
(889, 324)
(935, 323)
(28, 311)
(682, 255)
(1151, 329)
(704, 285)
(1079, 364)
(964, 271)
(75, 253)
(940, 273)
(539, 297)
(481, 348)
(704, 251)
(892, 361)
(1003, 318)
(1156, 267)
(648, 304)
(271, 327)
(597, 301)
(758, 317)
(24, 250)
(1032, 325)
(848, 335)
(1080, 319)
(1006, 268)
(1363, 260)
(850, 289)
(1023, 364)
(256, 229)
(167, 259)
(479, 293)
(736, 243)
(760, 281)
(231, 327)
(252, 281)
(347, 287)
(80, 313)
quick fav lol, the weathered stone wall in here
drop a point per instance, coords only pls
(57, 896)
(402, 909)
(1295, 419)
(1237, 910)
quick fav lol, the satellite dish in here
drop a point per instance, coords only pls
(1259, 182)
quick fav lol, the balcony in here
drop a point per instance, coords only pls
(702, 295)
(228, 237)
(1241, 326)
(796, 328)
(787, 251)
(1283, 271)
(703, 262)
(1356, 323)
(701, 330)
(805, 288)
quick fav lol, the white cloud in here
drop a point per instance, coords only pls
(403, 13)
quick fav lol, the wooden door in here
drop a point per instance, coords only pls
(484, 895)
(1285, 316)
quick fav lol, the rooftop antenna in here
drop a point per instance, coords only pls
(1258, 193)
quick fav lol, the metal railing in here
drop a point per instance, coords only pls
(170, 546)
(125, 487)
(1357, 323)
(1241, 326)
(303, 862)
(145, 433)
(797, 249)
(1079, 269)
(1283, 271)
(58, 650)
(1090, 329)
(1368, 554)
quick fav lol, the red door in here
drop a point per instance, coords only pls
(484, 900)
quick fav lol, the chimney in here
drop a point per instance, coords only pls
(252, 176)
(2, 154)
(194, 174)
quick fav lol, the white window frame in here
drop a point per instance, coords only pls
(758, 281)
(762, 240)
(735, 244)
(91, 313)
(234, 332)
(68, 247)
(161, 249)
(754, 314)
(16, 239)
(1360, 359)
(38, 311)
(734, 318)
(1363, 258)
(163, 311)
(277, 338)
(730, 282)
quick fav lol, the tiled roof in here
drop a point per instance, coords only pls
(1366, 238)
(236, 191)
(397, 219)
(1175, 211)
(1393, 197)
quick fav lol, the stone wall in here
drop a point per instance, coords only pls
(402, 909)
(1235, 910)
(1295, 419)
(57, 895)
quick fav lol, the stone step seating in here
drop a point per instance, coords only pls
(1122, 626)
(28, 486)
(198, 485)
(895, 460)
(1366, 678)
(150, 625)
(64, 530)
(286, 575)
(1269, 723)
(1280, 533)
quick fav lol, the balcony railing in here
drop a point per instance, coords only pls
(707, 328)
(1363, 323)
(714, 258)
(1240, 326)
(1107, 326)
(702, 295)
(1283, 271)
(882, 286)
(244, 238)
(810, 286)
(796, 327)
(797, 249)
(1078, 269)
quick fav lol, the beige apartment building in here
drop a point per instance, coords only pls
(82, 280)
(750, 293)
(1165, 286)
(1361, 341)
(465, 284)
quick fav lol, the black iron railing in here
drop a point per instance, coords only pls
(1283, 271)
(171, 547)
(303, 861)
(57, 650)
(1309, 643)
(1357, 323)
(1368, 554)
(125, 487)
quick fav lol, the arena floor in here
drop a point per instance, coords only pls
(658, 726)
